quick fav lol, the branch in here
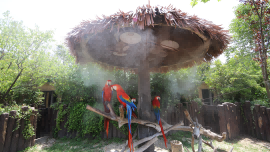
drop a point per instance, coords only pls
(155, 135)
(123, 121)
(192, 144)
(165, 125)
(19, 74)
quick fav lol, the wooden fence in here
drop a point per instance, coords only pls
(225, 117)
(234, 119)
(12, 141)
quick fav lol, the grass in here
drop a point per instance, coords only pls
(76, 145)
(96, 145)
(225, 146)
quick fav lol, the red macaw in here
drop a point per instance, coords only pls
(107, 96)
(156, 106)
(125, 100)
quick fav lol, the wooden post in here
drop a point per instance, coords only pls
(114, 131)
(249, 118)
(238, 116)
(222, 119)
(27, 142)
(10, 124)
(264, 122)
(227, 118)
(62, 132)
(176, 146)
(21, 137)
(144, 104)
(3, 127)
(255, 114)
(268, 126)
(35, 127)
(232, 120)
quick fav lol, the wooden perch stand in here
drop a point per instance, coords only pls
(196, 129)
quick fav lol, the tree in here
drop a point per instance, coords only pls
(195, 2)
(239, 79)
(23, 57)
(254, 17)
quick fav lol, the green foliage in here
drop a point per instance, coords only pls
(28, 128)
(195, 2)
(239, 79)
(23, 61)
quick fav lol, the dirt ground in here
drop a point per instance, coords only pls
(243, 144)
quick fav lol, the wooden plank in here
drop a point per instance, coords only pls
(228, 127)
(249, 118)
(15, 137)
(264, 122)
(181, 112)
(235, 129)
(3, 127)
(46, 122)
(114, 131)
(202, 112)
(237, 117)
(268, 126)
(21, 138)
(10, 126)
(47, 99)
(256, 122)
(222, 119)
(110, 135)
(35, 127)
(28, 141)
(62, 132)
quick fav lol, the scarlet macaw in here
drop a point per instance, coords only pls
(156, 106)
(107, 96)
(125, 100)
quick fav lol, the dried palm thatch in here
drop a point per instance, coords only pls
(199, 40)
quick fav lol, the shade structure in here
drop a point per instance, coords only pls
(151, 39)
(167, 37)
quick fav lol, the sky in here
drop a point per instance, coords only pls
(62, 15)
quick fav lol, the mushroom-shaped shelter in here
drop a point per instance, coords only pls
(152, 39)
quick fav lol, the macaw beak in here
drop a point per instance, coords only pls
(112, 88)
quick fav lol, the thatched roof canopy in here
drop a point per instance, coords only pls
(167, 37)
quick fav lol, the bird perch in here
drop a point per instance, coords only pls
(167, 127)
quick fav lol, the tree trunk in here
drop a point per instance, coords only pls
(144, 105)
(19, 74)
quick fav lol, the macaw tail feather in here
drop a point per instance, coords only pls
(130, 144)
(129, 114)
(106, 125)
(165, 140)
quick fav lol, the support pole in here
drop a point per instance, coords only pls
(144, 105)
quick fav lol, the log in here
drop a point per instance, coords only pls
(268, 126)
(256, 111)
(233, 123)
(176, 146)
(3, 127)
(238, 116)
(264, 122)
(249, 118)
(28, 141)
(114, 131)
(21, 137)
(15, 137)
(10, 124)
(62, 131)
(35, 127)
(222, 119)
